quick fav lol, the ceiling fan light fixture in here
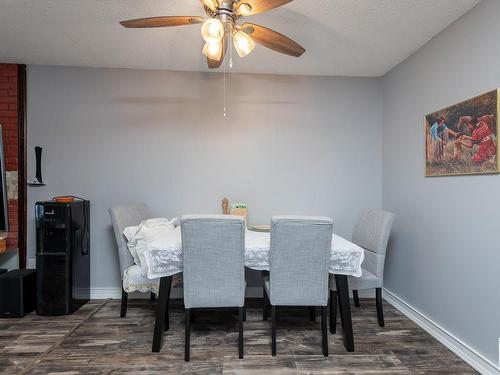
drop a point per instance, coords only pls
(243, 43)
(244, 9)
(213, 51)
(212, 31)
(211, 4)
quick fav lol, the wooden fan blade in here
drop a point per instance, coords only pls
(259, 6)
(273, 40)
(214, 64)
(165, 21)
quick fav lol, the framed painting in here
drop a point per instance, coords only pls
(462, 139)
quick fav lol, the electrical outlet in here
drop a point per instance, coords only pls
(31, 263)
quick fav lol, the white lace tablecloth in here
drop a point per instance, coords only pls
(345, 259)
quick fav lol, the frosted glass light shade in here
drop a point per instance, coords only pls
(213, 50)
(212, 31)
(244, 9)
(243, 43)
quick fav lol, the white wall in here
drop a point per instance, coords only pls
(444, 257)
(290, 144)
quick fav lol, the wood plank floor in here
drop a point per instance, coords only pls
(95, 340)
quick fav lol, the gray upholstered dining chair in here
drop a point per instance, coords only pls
(371, 232)
(298, 274)
(122, 217)
(213, 249)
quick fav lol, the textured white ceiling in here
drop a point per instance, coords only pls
(342, 37)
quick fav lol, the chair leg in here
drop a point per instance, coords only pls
(167, 316)
(356, 298)
(152, 297)
(324, 334)
(240, 335)
(312, 313)
(266, 304)
(161, 311)
(333, 312)
(273, 331)
(187, 337)
(380, 311)
(244, 314)
(123, 310)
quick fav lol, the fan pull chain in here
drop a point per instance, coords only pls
(224, 69)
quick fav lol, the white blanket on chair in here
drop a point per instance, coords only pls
(150, 234)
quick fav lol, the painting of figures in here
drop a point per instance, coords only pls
(462, 139)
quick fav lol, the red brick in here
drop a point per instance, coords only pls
(8, 66)
(9, 87)
(7, 73)
(8, 99)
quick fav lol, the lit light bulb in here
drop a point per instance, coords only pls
(212, 30)
(213, 51)
(243, 43)
(245, 9)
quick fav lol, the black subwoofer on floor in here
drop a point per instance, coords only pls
(17, 293)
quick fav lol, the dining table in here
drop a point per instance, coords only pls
(166, 261)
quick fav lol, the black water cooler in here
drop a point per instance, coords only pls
(62, 256)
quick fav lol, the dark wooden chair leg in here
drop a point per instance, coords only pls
(312, 313)
(341, 316)
(152, 297)
(240, 336)
(161, 308)
(333, 312)
(324, 333)
(356, 298)
(345, 311)
(123, 309)
(167, 316)
(380, 311)
(273, 331)
(266, 304)
(187, 337)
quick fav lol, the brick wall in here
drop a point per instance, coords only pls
(8, 120)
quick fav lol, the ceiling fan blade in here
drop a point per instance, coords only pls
(214, 64)
(273, 40)
(165, 21)
(259, 6)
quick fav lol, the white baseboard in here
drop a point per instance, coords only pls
(457, 346)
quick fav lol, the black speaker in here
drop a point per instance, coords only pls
(17, 293)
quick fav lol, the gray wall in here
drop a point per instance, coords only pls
(444, 257)
(290, 144)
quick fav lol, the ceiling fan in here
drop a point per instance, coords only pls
(222, 24)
